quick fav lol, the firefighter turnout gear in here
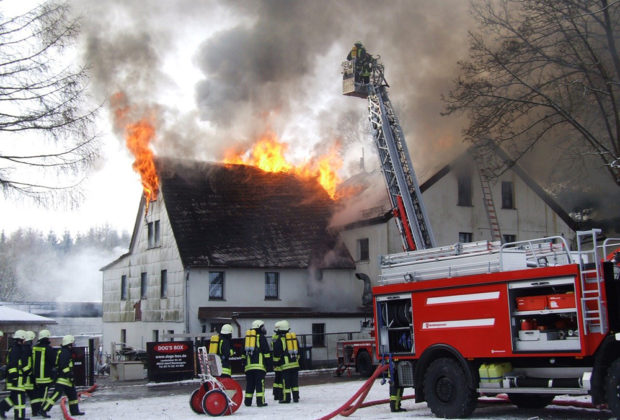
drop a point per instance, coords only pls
(286, 357)
(225, 349)
(43, 362)
(28, 379)
(64, 382)
(277, 379)
(257, 359)
(17, 371)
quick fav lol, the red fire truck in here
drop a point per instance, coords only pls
(530, 319)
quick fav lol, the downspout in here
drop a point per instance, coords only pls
(187, 301)
(234, 320)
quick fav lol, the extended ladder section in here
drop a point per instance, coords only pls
(481, 257)
(402, 184)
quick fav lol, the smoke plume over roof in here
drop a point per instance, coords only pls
(276, 64)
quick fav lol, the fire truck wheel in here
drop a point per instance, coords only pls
(447, 391)
(363, 364)
(612, 388)
(215, 402)
(531, 400)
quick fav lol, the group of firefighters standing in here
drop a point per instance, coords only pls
(259, 357)
(33, 370)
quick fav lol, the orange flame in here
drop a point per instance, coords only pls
(268, 155)
(138, 137)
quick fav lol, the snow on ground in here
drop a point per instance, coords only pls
(316, 401)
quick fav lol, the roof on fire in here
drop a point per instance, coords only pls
(240, 216)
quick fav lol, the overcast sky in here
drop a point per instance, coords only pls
(220, 73)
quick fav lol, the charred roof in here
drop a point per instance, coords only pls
(240, 216)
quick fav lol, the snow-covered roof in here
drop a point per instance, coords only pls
(12, 316)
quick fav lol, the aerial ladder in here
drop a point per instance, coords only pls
(402, 185)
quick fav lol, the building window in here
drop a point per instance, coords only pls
(123, 287)
(464, 190)
(508, 194)
(216, 285)
(156, 335)
(363, 249)
(143, 285)
(170, 335)
(153, 234)
(272, 282)
(465, 237)
(163, 286)
(318, 335)
(123, 338)
(509, 238)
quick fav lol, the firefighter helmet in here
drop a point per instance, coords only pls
(19, 335)
(1, 334)
(30, 335)
(257, 324)
(44, 334)
(284, 325)
(276, 326)
(226, 329)
(68, 339)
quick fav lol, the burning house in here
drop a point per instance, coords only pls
(226, 243)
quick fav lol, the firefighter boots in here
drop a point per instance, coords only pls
(75, 410)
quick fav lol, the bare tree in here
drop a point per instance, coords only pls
(47, 137)
(543, 70)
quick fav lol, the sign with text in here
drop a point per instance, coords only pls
(170, 361)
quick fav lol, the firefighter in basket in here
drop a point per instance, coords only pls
(257, 363)
(43, 360)
(64, 381)
(16, 372)
(224, 349)
(286, 356)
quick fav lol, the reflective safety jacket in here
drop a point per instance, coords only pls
(43, 361)
(225, 351)
(260, 357)
(281, 355)
(16, 361)
(64, 364)
(27, 357)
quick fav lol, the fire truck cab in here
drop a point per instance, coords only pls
(531, 319)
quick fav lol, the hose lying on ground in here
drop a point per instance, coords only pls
(348, 407)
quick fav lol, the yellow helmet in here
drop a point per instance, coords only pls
(68, 339)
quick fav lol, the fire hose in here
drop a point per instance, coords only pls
(63, 401)
(349, 407)
(357, 400)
